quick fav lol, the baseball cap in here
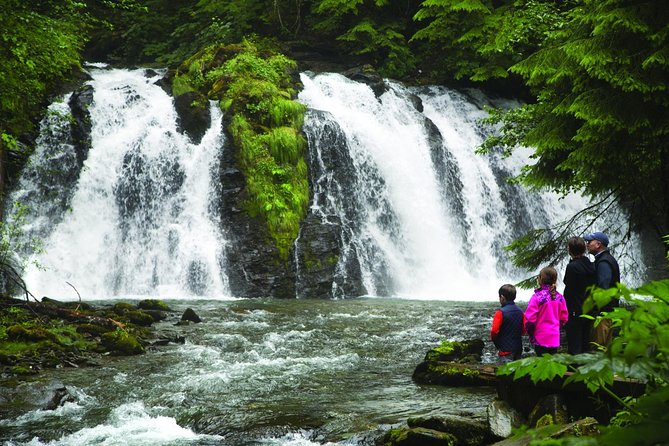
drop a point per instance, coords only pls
(600, 236)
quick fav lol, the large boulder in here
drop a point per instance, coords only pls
(468, 431)
(419, 436)
(502, 418)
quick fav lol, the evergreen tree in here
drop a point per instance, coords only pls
(600, 122)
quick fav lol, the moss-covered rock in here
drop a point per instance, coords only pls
(462, 351)
(256, 88)
(153, 304)
(121, 343)
(139, 317)
(122, 308)
(92, 329)
(469, 432)
(405, 436)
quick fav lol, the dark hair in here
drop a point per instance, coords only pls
(508, 291)
(576, 246)
(548, 276)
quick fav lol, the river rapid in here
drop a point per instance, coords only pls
(258, 372)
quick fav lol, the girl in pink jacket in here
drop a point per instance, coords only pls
(546, 313)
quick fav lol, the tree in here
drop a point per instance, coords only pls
(40, 48)
(600, 122)
(480, 39)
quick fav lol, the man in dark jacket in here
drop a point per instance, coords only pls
(508, 326)
(578, 277)
(608, 276)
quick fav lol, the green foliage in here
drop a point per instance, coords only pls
(599, 121)
(256, 92)
(40, 44)
(479, 39)
(378, 30)
(14, 249)
(640, 351)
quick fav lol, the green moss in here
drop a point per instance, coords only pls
(139, 317)
(455, 350)
(21, 370)
(153, 304)
(255, 90)
(121, 343)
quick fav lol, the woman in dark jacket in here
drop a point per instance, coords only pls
(580, 275)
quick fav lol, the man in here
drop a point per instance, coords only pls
(579, 276)
(608, 276)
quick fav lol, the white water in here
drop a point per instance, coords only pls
(427, 252)
(426, 218)
(143, 220)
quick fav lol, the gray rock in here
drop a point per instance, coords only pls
(502, 418)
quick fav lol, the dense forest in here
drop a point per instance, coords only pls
(592, 74)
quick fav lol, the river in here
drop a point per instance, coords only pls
(258, 372)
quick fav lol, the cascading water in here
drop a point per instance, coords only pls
(421, 215)
(431, 217)
(143, 218)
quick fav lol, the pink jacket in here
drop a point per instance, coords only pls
(546, 316)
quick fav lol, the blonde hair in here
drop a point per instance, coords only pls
(548, 276)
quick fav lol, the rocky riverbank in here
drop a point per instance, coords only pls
(50, 334)
(550, 408)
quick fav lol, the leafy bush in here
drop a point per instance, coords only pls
(640, 352)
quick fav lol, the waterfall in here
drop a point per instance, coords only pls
(431, 216)
(143, 217)
(416, 213)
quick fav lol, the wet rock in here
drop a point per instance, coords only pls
(367, 75)
(551, 409)
(419, 436)
(169, 339)
(59, 398)
(318, 254)
(80, 102)
(194, 117)
(502, 418)
(254, 265)
(469, 432)
(580, 428)
(190, 316)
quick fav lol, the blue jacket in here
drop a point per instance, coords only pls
(507, 329)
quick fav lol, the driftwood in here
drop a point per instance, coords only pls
(74, 315)
(51, 308)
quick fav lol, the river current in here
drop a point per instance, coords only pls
(258, 372)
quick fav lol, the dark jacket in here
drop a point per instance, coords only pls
(579, 275)
(507, 336)
(606, 257)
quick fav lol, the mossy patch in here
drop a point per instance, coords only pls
(35, 336)
(153, 304)
(256, 90)
(122, 343)
(455, 350)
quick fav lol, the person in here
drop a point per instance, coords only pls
(546, 313)
(578, 277)
(508, 326)
(607, 276)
